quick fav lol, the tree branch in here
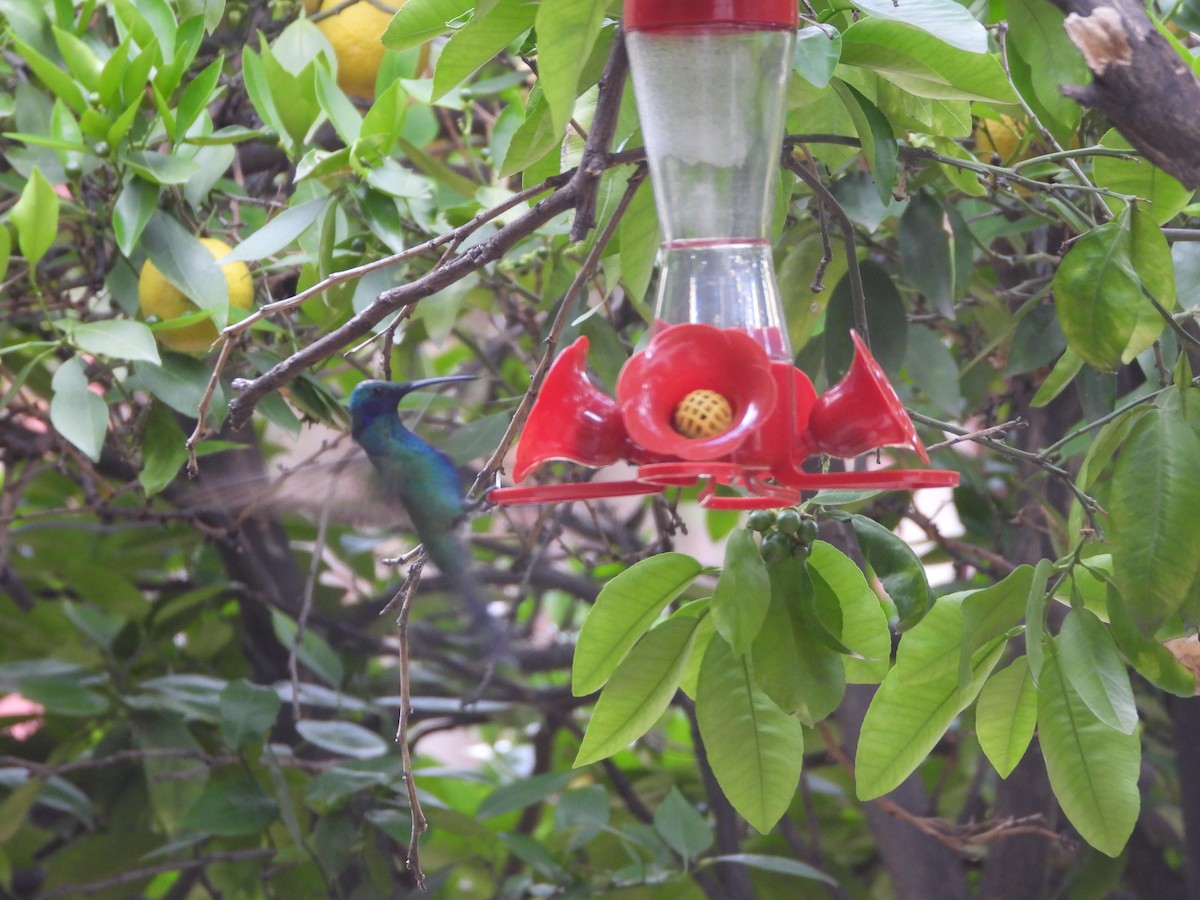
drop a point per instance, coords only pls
(1141, 83)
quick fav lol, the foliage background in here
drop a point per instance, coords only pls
(215, 689)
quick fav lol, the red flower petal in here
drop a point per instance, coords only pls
(690, 357)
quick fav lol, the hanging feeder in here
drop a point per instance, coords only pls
(713, 397)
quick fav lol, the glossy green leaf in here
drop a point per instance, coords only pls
(864, 623)
(946, 20)
(754, 748)
(886, 321)
(279, 232)
(35, 216)
(179, 382)
(781, 864)
(920, 63)
(1005, 716)
(931, 649)
(174, 783)
(566, 31)
(1098, 292)
(418, 21)
(5, 250)
(1093, 768)
(313, 651)
(1153, 526)
(1035, 616)
(681, 826)
(491, 29)
(197, 95)
(342, 738)
(60, 83)
(875, 134)
(818, 48)
(624, 611)
(117, 339)
(61, 697)
(639, 690)
(1060, 376)
(905, 721)
(639, 236)
(1149, 657)
(187, 264)
(800, 673)
(234, 807)
(896, 566)
(163, 450)
(248, 712)
(76, 413)
(1089, 661)
(1046, 59)
(522, 793)
(743, 592)
(132, 211)
(1165, 197)
(994, 611)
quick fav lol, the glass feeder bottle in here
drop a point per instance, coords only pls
(709, 79)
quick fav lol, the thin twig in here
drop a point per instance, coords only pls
(405, 595)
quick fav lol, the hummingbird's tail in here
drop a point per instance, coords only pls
(487, 630)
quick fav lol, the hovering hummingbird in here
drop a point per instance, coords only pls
(422, 478)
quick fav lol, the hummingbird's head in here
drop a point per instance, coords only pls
(380, 398)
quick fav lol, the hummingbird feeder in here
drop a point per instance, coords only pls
(714, 397)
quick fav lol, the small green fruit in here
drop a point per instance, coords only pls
(776, 548)
(809, 531)
(788, 520)
(761, 520)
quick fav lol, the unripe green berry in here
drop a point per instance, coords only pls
(776, 547)
(809, 531)
(761, 520)
(788, 521)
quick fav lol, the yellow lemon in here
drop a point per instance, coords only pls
(1001, 137)
(158, 297)
(703, 414)
(355, 34)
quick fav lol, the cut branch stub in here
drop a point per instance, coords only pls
(1144, 87)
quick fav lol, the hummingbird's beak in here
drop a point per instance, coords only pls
(404, 387)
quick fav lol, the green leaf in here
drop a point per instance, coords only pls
(905, 721)
(948, 21)
(1035, 616)
(638, 233)
(1006, 715)
(922, 64)
(1098, 295)
(188, 265)
(897, 567)
(818, 48)
(418, 21)
(875, 134)
(77, 414)
(160, 168)
(932, 649)
(197, 95)
(63, 698)
(279, 232)
(624, 611)
(132, 211)
(343, 738)
(35, 215)
(681, 827)
(1153, 526)
(566, 31)
(994, 611)
(754, 748)
(886, 320)
(314, 651)
(639, 690)
(522, 793)
(235, 807)
(864, 623)
(1165, 197)
(61, 84)
(1063, 373)
(116, 338)
(1151, 659)
(1045, 59)
(927, 252)
(491, 29)
(248, 712)
(174, 782)
(743, 592)
(781, 864)
(1089, 661)
(1093, 768)
(799, 672)
(180, 383)
(163, 450)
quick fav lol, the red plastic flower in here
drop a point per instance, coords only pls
(572, 419)
(862, 412)
(685, 358)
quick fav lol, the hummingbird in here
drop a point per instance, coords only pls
(422, 479)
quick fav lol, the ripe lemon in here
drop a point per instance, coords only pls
(1002, 137)
(158, 297)
(355, 34)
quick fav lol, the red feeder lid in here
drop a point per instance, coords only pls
(656, 15)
